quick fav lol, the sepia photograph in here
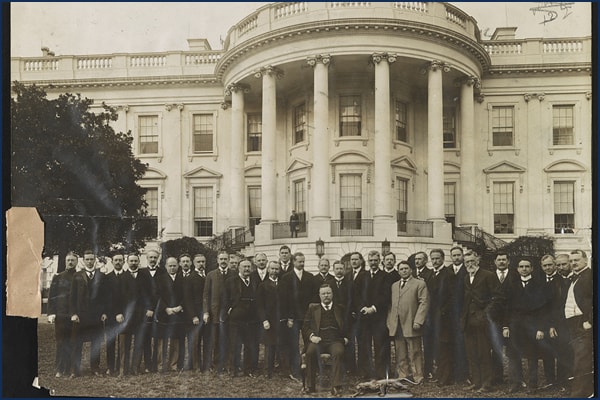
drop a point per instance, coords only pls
(304, 199)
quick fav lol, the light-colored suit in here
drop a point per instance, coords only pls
(409, 306)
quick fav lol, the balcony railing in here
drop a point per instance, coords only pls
(351, 227)
(415, 228)
(281, 230)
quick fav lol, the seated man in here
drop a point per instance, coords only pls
(324, 326)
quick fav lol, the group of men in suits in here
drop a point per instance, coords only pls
(449, 324)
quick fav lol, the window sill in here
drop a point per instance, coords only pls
(552, 149)
(362, 139)
(191, 156)
(453, 150)
(299, 145)
(146, 156)
(491, 150)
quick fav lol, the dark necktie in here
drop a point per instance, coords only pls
(502, 276)
(525, 282)
(402, 284)
(327, 308)
(574, 278)
(246, 281)
(339, 283)
(90, 275)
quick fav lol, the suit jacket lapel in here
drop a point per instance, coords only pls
(318, 319)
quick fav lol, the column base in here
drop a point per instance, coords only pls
(262, 232)
(442, 231)
(385, 227)
(319, 228)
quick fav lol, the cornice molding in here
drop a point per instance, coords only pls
(126, 82)
(577, 68)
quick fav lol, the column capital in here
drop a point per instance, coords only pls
(469, 81)
(434, 65)
(378, 57)
(236, 87)
(529, 96)
(124, 108)
(225, 105)
(588, 95)
(480, 98)
(179, 106)
(324, 59)
(268, 70)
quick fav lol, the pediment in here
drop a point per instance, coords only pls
(565, 166)
(253, 171)
(202, 172)
(351, 157)
(153, 173)
(451, 167)
(405, 163)
(297, 164)
(504, 167)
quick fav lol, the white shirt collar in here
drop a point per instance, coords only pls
(298, 273)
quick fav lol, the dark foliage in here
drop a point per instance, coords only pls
(80, 174)
(191, 246)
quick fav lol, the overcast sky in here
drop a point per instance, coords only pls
(103, 28)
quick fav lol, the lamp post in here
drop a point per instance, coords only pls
(385, 247)
(320, 248)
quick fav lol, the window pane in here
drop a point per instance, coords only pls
(502, 126)
(402, 192)
(203, 211)
(401, 122)
(350, 201)
(203, 133)
(299, 197)
(299, 123)
(254, 132)
(562, 125)
(449, 128)
(148, 134)
(151, 197)
(254, 201)
(350, 116)
(449, 199)
(503, 207)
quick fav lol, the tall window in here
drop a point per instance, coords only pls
(401, 121)
(504, 212)
(449, 127)
(254, 205)
(350, 116)
(299, 123)
(402, 212)
(203, 211)
(203, 133)
(450, 202)
(564, 207)
(562, 125)
(254, 132)
(350, 201)
(151, 218)
(502, 126)
(299, 196)
(148, 134)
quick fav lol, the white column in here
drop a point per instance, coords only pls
(467, 154)
(320, 140)
(383, 138)
(238, 205)
(435, 150)
(269, 150)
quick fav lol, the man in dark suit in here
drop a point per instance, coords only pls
(240, 303)
(285, 257)
(479, 295)
(323, 276)
(389, 267)
(260, 274)
(114, 283)
(440, 319)
(360, 283)
(423, 272)
(456, 283)
(563, 265)
(326, 332)
(169, 315)
(524, 325)
(269, 303)
(374, 310)
(579, 312)
(152, 350)
(58, 313)
(405, 322)
(135, 301)
(88, 312)
(199, 262)
(502, 276)
(215, 314)
(193, 288)
(555, 346)
(342, 294)
(299, 290)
